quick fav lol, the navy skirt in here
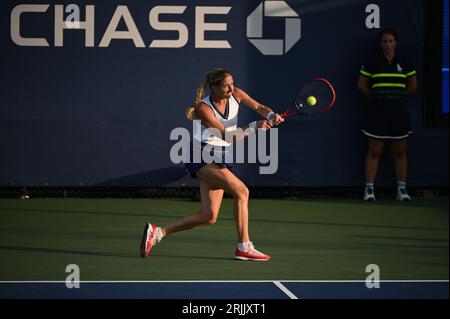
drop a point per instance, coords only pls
(192, 168)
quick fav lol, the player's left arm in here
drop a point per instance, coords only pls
(411, 77)
(411, 84)
(261, 109)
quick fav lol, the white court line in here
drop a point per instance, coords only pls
(216, 281)
(285, 290)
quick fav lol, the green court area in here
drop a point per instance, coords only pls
(308, 239)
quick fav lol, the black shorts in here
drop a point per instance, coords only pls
(387, 119)
(192, 168)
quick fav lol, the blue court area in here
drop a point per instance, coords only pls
(226, 290)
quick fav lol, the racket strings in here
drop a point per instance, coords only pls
(323, 95)
(320, 91)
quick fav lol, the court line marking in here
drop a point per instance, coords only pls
(221, 281)
(285, 290)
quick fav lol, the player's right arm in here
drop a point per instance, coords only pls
(364, 85)
(209, 120)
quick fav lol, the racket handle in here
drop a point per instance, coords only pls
(287, 113)
(283, 115)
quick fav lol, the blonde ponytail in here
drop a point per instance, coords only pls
(213, 77)
(189, 112)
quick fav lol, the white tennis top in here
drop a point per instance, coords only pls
(229, 121)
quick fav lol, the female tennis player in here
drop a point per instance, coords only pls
(218, 110)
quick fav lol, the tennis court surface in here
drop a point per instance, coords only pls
(320, 249)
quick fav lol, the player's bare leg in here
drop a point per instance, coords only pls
(214, 181)
(373, 158)
(223, 179)
(226, 180)
(210, 207)
(398, 149)
(211, 199)
(374, 154)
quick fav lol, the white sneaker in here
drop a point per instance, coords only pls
(152, 235)
(369, 194)
(402, 195)
(250, 254)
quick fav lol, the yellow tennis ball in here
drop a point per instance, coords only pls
(311, 100)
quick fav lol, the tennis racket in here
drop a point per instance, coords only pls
(316, 96)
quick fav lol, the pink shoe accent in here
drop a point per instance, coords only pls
(251, 254)
(148, 240)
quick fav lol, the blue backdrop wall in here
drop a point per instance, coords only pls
(74, 112)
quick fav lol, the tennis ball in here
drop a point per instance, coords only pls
(311, 100)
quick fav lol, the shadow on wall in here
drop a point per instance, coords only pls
(159, 177)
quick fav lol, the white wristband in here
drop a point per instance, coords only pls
(253, 125)
(270, 116)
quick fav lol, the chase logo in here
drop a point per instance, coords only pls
(255, 23)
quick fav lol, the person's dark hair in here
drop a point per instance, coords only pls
(388, 31)
(213, 77)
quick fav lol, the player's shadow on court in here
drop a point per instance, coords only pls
(66, 251)
(100, 254)
(193, 257)
(149, 214)
(79, 212)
